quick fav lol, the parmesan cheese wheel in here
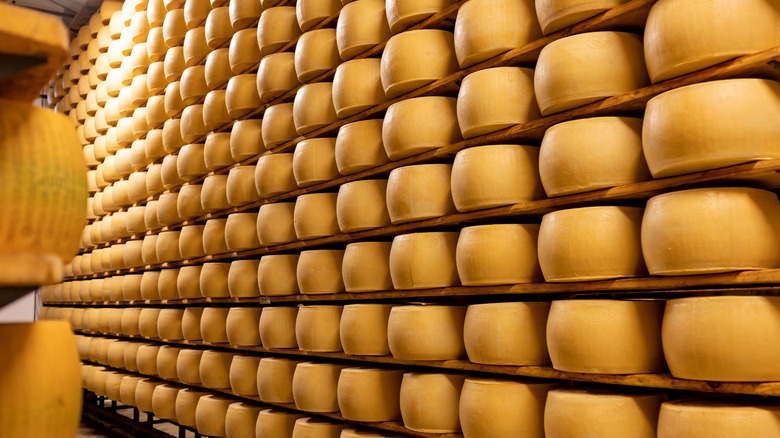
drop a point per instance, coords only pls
(274, 379)
(214, 280)
(164, 401)
(242, 96)
(154, 148)
(718, 418)
(359, 146)
(711, 230)
(131, 287)
(317, 328)
(316, 52)
(272, 423)
(195, 12)
(139, 92)
(193, 126)
(242, 326)
(743, 28)
(116, 353)
(277, 27)
(186, 405)
(273, 174)
(438, 249)
(240, 270)
(210, 414)
(244, 54)
(277, 275)
(173, 137)
(215, 368)
(217, 153)
(188, 365)
(133, 254)
(240, 420)
(498, 254)
(167, 358)
(314, 386)
(174, 27)
(168, 246)
(361, 26)
(277, 327)
(429, 402)
(219, 31)
(130, 318)
(361, 205)
(213, 324)
(146, 359)
(243, 13)
(314, 161)
(188, 202)
(243, 375)
(149, 250)
(483, 402)
(241, 186)
(169, 324)
(309, 13)
(363, 329)
(188, 282)
(591, 243)
(190, 163)
(420, 124)
(218, 71)
(127, 389)
(275, 224)
(677, 142)
(155, 13)
(426, 332)
(214, 236)
(155, 78)
(402, 14)
(369, 394)
(137, 189)
(315, 427)
(149, 284)
(190, 323)
(315, 216)
(607, 64)
(155, 117)
(582, 336)
(366, 267)
(147, 322)
(580, 413)
(589, 154)
(507, 333)
(419, 192)
(213, 196)
(319, 271)
(245, 140)
(496, 98)
(555, 15)
(357, 87)
(313, 107)
(131, 353)
(241, 231)
(739, 342)
(416, 58)
(278, 126)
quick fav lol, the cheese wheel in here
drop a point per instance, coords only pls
(437, 248)
(314, 386)
(317, 428)
(244, 52)
(147, 322)
(363, 329)
(244, 13)
(361, 205)
(243, 375)
(154, 148)
(309, 13)
(167, 359)
(582, 336)
(277, 328)
(738, 345)
(357, 87)
(188, 202)
(359, 146)
(498, 254)
(507, 333)
(314, 161)
(155, 117)
(217, 153)
(168, 246)
(213, 324)
(127, 389)
(131, 287)
(580, 413)
(319, 271)
(314, 216)
(240, 420)
(186, 405)
(174, 27)
(188, 365)
(240, 270)
(146, 359)
(164, 401)
(130, 318)
(149, 283)
(676, 144)
(403, 14)
(419, 192)
(190, 323)
(191, 240)
(369, 394)
(155, 78)
(215, 368)
(115, 355)
(361, 26)
(420, 124)
(317, 328)
(591, 243)
(711, 230)
(277, 275)
(169, 171)
(242, 96)
(426, 332)
(241, 186)
(245, 139)
(214, 236)
(365, 267)
(276, 76)
(190, 163)
(195, 12)
(416, 58)
(139, 93)
(555, 15)
(482, 407)
(218, 71)
(272, 423)
(219, 31)
(169, 324)
(275, 224)
(210, 414)
(188, 282)
(149, 249)
(278, 126)
(193, 126)
(313, 107)
(716, 418)
(155, 13)
(277, 27)
(274, 379)
(607, 64)
(241, 231)
(748, 27)
(137, 189)
(273, 174)
(242, 325)
(316, 52)
(133, 254)
(214, 280)
(429, 402)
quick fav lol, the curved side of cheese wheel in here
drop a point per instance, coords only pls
(498, 254)
(416, 58)
(274, 173)
(359, 146)
(314, 386)
(242, 326)
(240, 271)
(215, 369)
(277, 275)
(436, 249)
(190, 323)
(420, 124)
(357, 86)
(419, 192)
(210, 414)
(315, 216)
(164, 401)
(214, 280)
(167, 360)
(213, 323)
(275, 223)
(314, 161)
(315, 427)
(369, 394)
(186, 405)
(276, 75)
(426, 332)
(366, 267)
(217, 153)
(429, 402)
(243, 375)
(278, 25)
(273, 422)
(316, 52)
(317, 328)
(313, 107)
(214, 236)
(188, 282)
(188, 365)
(361, 26)
(277, 327)
(363, 329)
(169, 324)
(191, 240)
(555, 15)
(246, 139)
(718, 419)
(361, 205)
(274, 379)
(241, 231)
(402, 14)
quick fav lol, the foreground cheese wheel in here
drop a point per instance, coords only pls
(244, 52)
(277, 27)
(240, 271)
(606, 64)
(241, 186)
(278, 125)
(591, 243)
(555, 15)
(127, 389)
(277, 275)
(242, 325)
(191, 241)
(168, 246)
(314, 216)
(41, 380)
(190, 323)
(277, 327)
(363, 329)
(319, 271)
(589, 154)
(316, 52)
(188, 282)
(167, 360)
(144, 391)
(214, 236)
(130, 319)
(711, 230)
(718, 419)
(218, 71)
(436, 248)
(359, 146)
(361, 205)
(167, 209)
(426, 332)
(676, 142)
(580, 413)
(149, 284)
(213, 324)
(402, 14)
(243, 375)
(242, 97)
(739, 341)
(314, 386)
(275, 223)
(507, 333)
(215, 369)
(606, 336)
(246, 139)
(147, 322)
(274, 175)
(416, 58)
(743, 28)
(498, 254)
(272, 423)
(210, 415)
(276, 76)
(419, 192)
(146, 359)
(164, 401)
(317, 328)
(311, 12)
(369, 394)
(496, 98)
(169, 324)
(361, 26)
(357, 87)
(240, 420)
(313, 107)
(420, 124)
(366, 267)
(310, 427)
(190, 163)
(486, 28)
(216, 152)
(274, 379)
(241, 231)
(186, 405)
(188, 365)
(218, 28)
(429, 402)
(314, 161)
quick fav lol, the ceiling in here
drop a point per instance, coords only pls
(74, 13)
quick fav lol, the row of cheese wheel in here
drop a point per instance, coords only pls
(434, 403)
(587, 336)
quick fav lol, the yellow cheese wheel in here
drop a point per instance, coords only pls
(173, 136)
(195, 51)
(131, 355)
(357, 87)
(167, 359)
(363, 329)
(190, 163)
(591, 243)
(316, 52)
(580, 413)
(688, 129)
(147, 322)
(174, 27)
(273, 174)
(361, 26)
(113, 380)
(168, 246)
(241, 231)
(137, 189)
(429, 402)
(149, 284)
(274, 379)
(314, 215)
(242, 325)
(721, 338)
(366, 267)
(243, 375)
(240, 420)
(127, 389)
(164, 401)
(193, 127)
(243, 13)
(511, 333)
(155, 78)
(188, 282)
(215, 368)
(273, 423)
(498, 254)
(169, 324)
(130, 319)
(245, 139)
(146, 359)
(188, 365)
(402, 14)
(275, 223)
(215, 113)
(277, 275)
(218, 71)
(149, 248)
(369, 394)
(217, 153)
(186, 405)
(716, 418)
(317, 328)
(416, 58)
(316, 428)
(213, 196)
(214, 236)
(311, 12)
(242, 96)
(241, 186)
(313, 107)
(278, 126)
(711, 230)
(436, 248)
(419, 192)
(210, 414)
(154, 148)
(314, 386)
(243, 53)
(555, 15)
(131, 287)
(219, 31)
(277, 26)
(314, 161)
(240, 271)
(426, 332)
(213, 324)
(190, 323)
(319, 271)
(606, 64)
(155, 13)
(188, 202)
(139, 93)
(277, 327)
(359, 146)
(420, 124)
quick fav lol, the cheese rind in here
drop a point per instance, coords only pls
(437, 249)
(316, 52)
(314, 216)
(274, 379)
(402, 14)
(419, 192)
(366, 267)
(512, 333)
(426, 332)
(361, 205)
(359, 146)
(363, 329)
(243, 375)
(277, 327)
(357, 86)
(314, 161)
(277, 275)
(416, 58)
(498, 254)
(242, 325)
(429, 402)
(317, 328)
(420, 124)
(555, 15)
(718, 419)
(369, 394)
(314, 386)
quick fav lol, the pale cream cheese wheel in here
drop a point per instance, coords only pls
(277, 327)
(365, 267)
(277, 27)
(361, 26)
(314, 216)
(278, 126)
(155, 79)
(315, 385)
(242, 326)
(420, 124)
(359, 146)
(312, 12)
(426, 332)
(167, 358)
(195, 50)
(164, 401)
(317, 328)
(273, 423)
(369, 394)
(277, 275)
(137, 189)
(193, 126)
(591, 243)
(188, 282)
(240, 271)
(402, 14)
(169, 324)
(150, 219)
(218, 71)
(133, 255)
(188, 365)
(273, 174)
(416, 58)
(363, 329)
(243, 375)
(153, 146)
(314, 161)
(711, 230)
(127, 389)
(173, 103)
(217, 153)
(213, 324)
(191, 164)
(242, 96)
(215, 369)
(191, 241)
(245, 139)
(429, 402)
(188, 203)
(438, 249)
(275, 224)
(241, 186)
(555, 15)
(214, 236)
(186, 405)
(511, 333)
(319, 271)
(316, 52)
(210, 414)
(174, 27)
(131, 287)
(241, 231)
(243, 53)
(313, 107)
(131, 353)
(274, 379)
(311, 427)
(498, 254)
(419, 192)
(718, 418)
(724, 339)
(361, 205)
(357, 87)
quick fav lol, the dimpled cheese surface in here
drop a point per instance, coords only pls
(694, 418)
(511, 333)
